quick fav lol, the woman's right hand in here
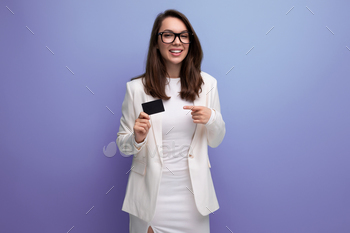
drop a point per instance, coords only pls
(141, 127)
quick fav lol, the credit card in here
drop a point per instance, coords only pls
(152, 107)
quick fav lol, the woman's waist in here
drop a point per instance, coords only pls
(175, 147)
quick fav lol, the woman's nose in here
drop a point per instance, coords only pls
(177, 39)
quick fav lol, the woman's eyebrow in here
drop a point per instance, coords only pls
(172, 31)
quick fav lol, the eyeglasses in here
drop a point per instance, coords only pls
(169, 37)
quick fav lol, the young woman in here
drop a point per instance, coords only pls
(170, 188)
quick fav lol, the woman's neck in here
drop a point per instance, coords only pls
(174, 70)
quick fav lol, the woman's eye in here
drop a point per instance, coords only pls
(167, 35)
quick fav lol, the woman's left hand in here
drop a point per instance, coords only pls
(200, 114)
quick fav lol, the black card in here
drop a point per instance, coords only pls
(153, 107)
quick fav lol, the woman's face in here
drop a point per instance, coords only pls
(168, 51)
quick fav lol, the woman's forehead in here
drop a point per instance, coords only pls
(173, 24)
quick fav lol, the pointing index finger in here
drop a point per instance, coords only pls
(189, 107)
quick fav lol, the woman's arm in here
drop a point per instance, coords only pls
(126, 136)
(216, 129)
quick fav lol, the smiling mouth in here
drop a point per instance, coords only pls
(175, 51)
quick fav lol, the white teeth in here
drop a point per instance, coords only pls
(175, 51)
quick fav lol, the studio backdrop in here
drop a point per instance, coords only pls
(282, 69)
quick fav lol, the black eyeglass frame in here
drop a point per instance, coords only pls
(176, 35)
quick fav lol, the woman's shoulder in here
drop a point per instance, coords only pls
(135, 83)
(207, 78)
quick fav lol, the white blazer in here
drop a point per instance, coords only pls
(145, 174)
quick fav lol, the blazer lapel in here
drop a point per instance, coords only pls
(156, 123)
(201, 101)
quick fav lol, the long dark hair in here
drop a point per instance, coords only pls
(154, 78)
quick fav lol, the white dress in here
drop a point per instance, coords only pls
(176, 211)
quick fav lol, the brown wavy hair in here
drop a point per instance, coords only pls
(154, 80)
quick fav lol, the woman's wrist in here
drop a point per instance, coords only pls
(212, 117)
(138, 145)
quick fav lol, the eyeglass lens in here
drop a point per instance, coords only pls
(169, 37)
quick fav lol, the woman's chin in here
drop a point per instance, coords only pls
(176, 61)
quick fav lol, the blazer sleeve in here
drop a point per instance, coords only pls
(216, 130)
(126, 137)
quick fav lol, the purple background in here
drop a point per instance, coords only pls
(283, 165)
